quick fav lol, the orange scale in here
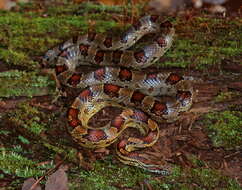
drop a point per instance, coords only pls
(140, 116)
(161, 42)
(183, 95)
(60, 69)
(73, 113)
(125, 74)
(137, 97)
(122, 144)
(74, 123)
(85, 94)
(158, 108)
(134, 155)
(173, 79)
(117, 122)
(96, 135)
(149, 138)
(140, 57)
(74, 80)
(151, 76)
(111, 89)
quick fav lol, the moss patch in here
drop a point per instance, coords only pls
(226, 96)
(106, 175)
(13, 163)
(21, 83)
(113, 177)
(29, 118)
(225, 128)
(204, 41)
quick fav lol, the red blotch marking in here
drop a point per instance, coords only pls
(158, 108)
(173, 79)
(141, 116)
(108, 42)
(151, 76)
(73, 123)
(99, 56)
(84, 49)
(125, 74)
(73, 113)
(74, 79)
(96, 135)
(137, 97)
(85, 94)
(60, 69)
(140, 57)
(99, 74)
(161, 42)
(111, 90)
(116, 57)
(153, 18)
(134, 155)
(91, 36)
(183, 95)
(137, 25)
(122, 144)
(149, 138)
(117, 122)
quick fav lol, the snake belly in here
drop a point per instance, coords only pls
(139, 96)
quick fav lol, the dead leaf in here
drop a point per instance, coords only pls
(57, 181)
(8, 4)
(29, 183)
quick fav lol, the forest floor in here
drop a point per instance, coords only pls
(204, 145)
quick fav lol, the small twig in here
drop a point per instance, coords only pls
(233, 154)
(47, 173)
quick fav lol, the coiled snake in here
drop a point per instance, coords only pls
(115, 85)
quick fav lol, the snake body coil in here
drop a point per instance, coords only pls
(115, 85)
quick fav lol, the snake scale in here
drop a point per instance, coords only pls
(144, 99)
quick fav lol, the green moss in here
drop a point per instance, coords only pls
(106, 175)
(199, 179)
(67, 153)
(21, 83)
(16, 58)
(226, 96)
(29, 118)
(204, 41)
(17, 165)
(225, 128)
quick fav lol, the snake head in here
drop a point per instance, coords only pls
(48, 58)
